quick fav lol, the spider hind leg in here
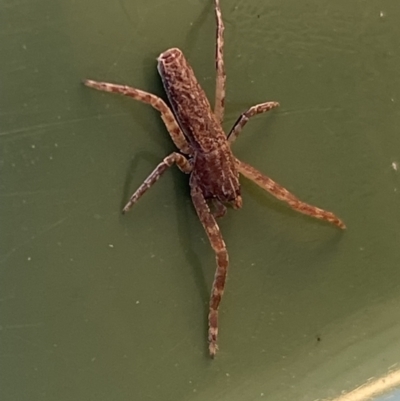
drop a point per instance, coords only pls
(220, 67)
(154, 101)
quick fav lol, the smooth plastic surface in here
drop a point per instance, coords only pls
(100, 306)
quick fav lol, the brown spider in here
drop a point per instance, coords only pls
(205, 154)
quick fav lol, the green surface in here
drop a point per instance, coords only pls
(99, 306)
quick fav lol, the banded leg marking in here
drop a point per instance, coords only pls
(154, 101)
(242, 120)
(284, 195)
(174, 158)
(219, 106)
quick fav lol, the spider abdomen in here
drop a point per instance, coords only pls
(189, 103)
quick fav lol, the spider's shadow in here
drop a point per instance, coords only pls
(195, 31)
(183, 218)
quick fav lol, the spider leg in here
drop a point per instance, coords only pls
(284, 195)
(219, 64)
(174, 158)
(218, 244)
(153, 100)
(242, 120)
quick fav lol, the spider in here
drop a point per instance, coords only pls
(205, 154)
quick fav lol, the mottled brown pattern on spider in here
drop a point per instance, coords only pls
(214, 171)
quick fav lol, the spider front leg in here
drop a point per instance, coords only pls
(174, 158)
(242, 120)
(214, 235)
(284, 195)
(153, 100)
(219, 64)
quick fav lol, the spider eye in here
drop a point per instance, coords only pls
(238, 202)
